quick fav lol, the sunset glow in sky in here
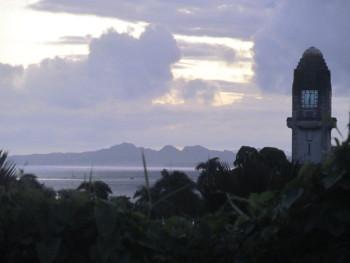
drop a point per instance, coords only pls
(77, 75)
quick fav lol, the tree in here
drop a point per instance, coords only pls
(97, 189)
(255, 172)
(30, 180)
(245, 156)
(7, 171)
(174, 194)
(281, 170)
(251, 174)
(214, 181)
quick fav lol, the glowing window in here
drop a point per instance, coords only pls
(309, 99)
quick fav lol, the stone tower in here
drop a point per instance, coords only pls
(311, 120)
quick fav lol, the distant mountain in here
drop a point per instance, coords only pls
(128, 154)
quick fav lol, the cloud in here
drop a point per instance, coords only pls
(281, 30)
(10, 82)
(28, 126)
(294, 26)
(142, 66)
(50, 129)
(105, 98)
(8, 76)
(118, 67)
(195, 92)
(201, 91)
(238, 18)
(72, 40)
(207, 51)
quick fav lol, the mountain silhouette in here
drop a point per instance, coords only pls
(127, 154)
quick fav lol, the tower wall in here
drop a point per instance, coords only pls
(311, 120)
(311, 144)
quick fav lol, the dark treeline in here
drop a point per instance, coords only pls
(265, 209)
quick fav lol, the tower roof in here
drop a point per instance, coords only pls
(312, 59)
(312, 51)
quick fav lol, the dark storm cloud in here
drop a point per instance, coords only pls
(295, 26)
(235, 18)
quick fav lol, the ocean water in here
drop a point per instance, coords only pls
(122, 180)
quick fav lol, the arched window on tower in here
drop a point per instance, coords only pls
(309, 99)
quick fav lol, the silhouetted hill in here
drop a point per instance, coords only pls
(128, 154)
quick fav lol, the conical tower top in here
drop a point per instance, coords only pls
(313, 60)
(312, 51)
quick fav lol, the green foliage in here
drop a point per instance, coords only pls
(303, 218)
(173, 195)
(259, 202)
(7, 171)
(214, 181)
(255, 172)
(96, 189)
(245, 155)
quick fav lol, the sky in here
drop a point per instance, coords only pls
(86, 74)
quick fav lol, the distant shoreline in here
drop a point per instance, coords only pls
(123, 180)
(104, 167)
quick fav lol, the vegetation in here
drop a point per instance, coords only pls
(173, 195)
(265, 209)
